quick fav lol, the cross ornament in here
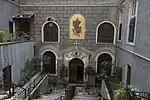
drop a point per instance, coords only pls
(76, 44)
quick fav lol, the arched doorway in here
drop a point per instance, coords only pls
(103, 58)
(76, 71)
(49, 66)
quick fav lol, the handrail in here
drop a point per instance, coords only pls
(134, 95)
(16, 86)
(15, 42)
(34, 89)
(109, 88)
(29, 88)
(9, 93)
(12, 89)
(144, 95)
(61, 98)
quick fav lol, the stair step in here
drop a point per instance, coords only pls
(84, 98)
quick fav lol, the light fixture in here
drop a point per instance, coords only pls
(50, 24)
(21, 16)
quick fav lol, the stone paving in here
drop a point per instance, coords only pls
(81, 94)
(52, 96)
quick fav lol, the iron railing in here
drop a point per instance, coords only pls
(141, 95)
(30, 87)
(11, 90)
(137, 95)
(61, 98)
(26, 78)
(109, 88)
(9, 93)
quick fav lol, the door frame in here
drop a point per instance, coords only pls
(76, 66)
(56, 58)
(10, 78)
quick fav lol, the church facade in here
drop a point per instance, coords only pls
(74, 33)
(78, 33)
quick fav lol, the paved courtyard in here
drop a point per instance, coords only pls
(81, 94)
(56, 94)
(84, 96)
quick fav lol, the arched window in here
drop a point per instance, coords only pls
(105, 33)
(49, 66)
(131, 37)
(101, 59)
(50, 32)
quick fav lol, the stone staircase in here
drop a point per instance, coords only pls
(53, 96)
(82, 94)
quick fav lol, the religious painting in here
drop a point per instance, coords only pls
(77, 27)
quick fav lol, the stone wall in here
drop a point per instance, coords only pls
(93, 16)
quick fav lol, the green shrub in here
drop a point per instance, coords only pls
(1, 36)
(28, 66)
(90, 71)
(63, 71)
(120, 94)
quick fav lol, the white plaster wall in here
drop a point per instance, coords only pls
(14, 54)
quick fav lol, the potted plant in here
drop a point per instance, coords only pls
(1, 36)
(90, 71)
(120, 94)
(125, 93)
(101, 75)
(117, 72)
(36, 64)
(90, 74)
(63, 71)
(62, 75)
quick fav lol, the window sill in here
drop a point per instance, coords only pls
(49, 42)
(105, 43)
(130, 43)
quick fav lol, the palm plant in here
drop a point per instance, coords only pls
(63, 71)
(124, 93)
(91, 73)
(120, 94)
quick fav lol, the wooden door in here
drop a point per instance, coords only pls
(7, 77)
(128, 75)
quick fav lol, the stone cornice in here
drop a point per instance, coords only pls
(98, 5)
